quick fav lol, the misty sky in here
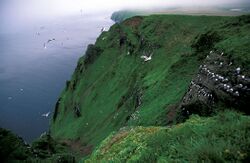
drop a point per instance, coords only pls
(19, 12)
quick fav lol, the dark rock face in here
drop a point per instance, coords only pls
(218, 81)
(56, 109)
(206, 41)
(77, 111)
(122, 40)
(91, 54)
(138, 99)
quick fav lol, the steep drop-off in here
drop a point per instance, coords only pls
(160, 88)
(113, 86)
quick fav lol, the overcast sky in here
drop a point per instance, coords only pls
(19, 11)
(48, 7)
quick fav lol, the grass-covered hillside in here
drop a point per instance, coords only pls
(223, 138)
(114, 87)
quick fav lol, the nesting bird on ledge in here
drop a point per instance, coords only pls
(147, 58)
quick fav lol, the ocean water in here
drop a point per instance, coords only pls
(32, 76)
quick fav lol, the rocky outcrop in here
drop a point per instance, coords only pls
(218, 82)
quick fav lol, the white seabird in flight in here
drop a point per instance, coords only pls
(46, 114)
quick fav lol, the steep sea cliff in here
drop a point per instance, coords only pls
(160, 88)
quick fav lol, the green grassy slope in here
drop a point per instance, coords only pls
(113, 87)
(197, 140)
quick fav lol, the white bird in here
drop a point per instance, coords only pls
(49, 40)
(238, 70)
(44, 46)
(146, 58)
(44, 133)
(103, 29)
(237, 93)
(46, 114)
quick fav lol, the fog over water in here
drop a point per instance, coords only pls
(33, 71)
(15, 14)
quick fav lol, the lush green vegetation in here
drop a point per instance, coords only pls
(223, 138)
(45, 149)
(114, 89)
(12, 147)
(119, 89)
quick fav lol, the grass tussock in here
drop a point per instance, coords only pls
(223, 138)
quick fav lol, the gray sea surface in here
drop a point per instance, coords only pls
(33, 70)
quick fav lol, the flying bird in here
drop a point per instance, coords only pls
(44, 46)
(103, 29)
(46, 114)
(49, 40)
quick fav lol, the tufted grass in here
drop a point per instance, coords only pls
(223, 138)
